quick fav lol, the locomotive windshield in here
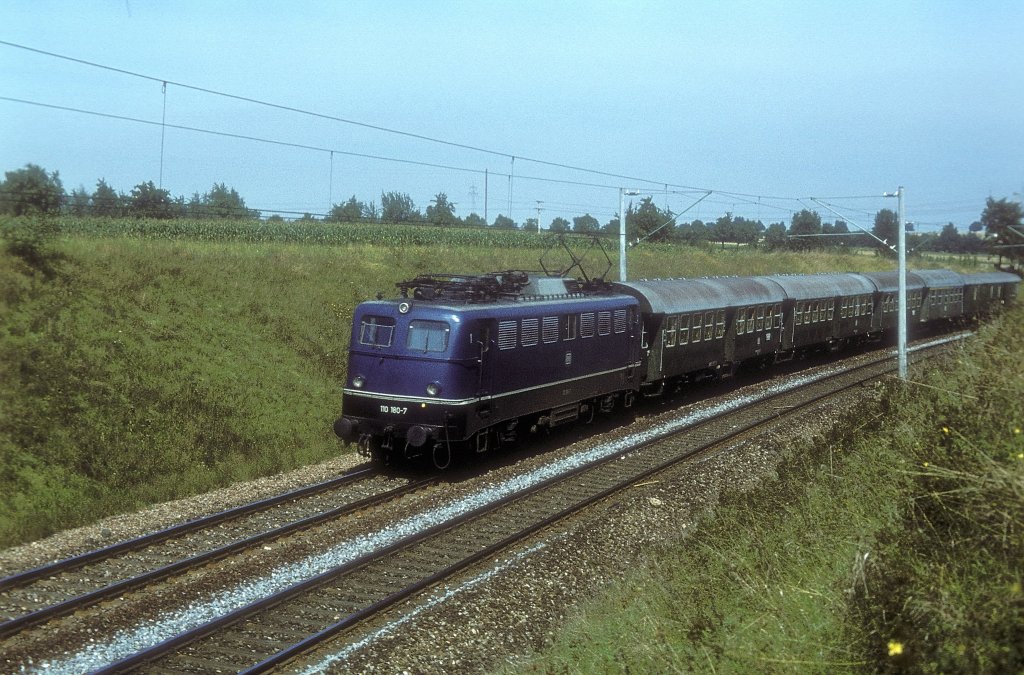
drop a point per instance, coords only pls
(427, 336)
(377, 331)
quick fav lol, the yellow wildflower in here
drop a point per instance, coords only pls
(895, 648)
(945, 430)
(1016, 430)
(925, 464)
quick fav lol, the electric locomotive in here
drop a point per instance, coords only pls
(467, 362)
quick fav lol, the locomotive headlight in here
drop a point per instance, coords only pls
(403, 308)
(433, 389)
(358, 381)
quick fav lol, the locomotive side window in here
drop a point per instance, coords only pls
(587, 325)
(507, 334)
(604, 323)
(427, 336)
(530, 330)
(571, 323)
(549, 329)
(377, 331)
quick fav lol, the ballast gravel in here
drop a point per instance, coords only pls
(514, 605)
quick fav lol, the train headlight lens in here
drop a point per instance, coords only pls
(358, 381)
(433, 388)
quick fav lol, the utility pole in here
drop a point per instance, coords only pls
(622, 230)
(901, 331)
(539, 205)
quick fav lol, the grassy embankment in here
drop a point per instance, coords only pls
(894, 545)
(141, 362)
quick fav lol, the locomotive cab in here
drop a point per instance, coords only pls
(413, 368)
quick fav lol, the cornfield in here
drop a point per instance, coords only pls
(315, 232)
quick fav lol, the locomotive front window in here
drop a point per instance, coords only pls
(427, 336)
(376, 331)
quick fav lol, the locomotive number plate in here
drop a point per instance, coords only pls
(393, 410)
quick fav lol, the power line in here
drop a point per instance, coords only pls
(333, 118)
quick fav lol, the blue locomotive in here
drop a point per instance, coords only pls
(466, 363)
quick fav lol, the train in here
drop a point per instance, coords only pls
(464, 364)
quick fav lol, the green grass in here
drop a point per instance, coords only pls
(894, 545)
(145, 361)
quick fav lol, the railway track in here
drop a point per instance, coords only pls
(61, 588)
(352, 583)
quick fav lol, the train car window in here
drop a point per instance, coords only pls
(529, 332)
(709, 325)
(604, 323)
(720, 323)
(842, 308)
(508, 333)
(587, 325)
(684, 329)
(760, 318)
(620, 321)
(751, 312)
(741, 320)
(696, 332)
(549, 329)
(798, 313)
(831, 309)
(571, 323)
(376, 331)
(427, 336)
(671, 324)
(777, 311)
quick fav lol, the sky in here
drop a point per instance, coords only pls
(765, 105)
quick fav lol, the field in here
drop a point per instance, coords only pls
(142, 361)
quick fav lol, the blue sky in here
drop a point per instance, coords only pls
(766, 104)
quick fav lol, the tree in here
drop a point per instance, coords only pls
(224, 202)
(775, 236)
(803, 224)
(105, 201)
(648, 221)
(585, 223)
(398, 207)
(949, 239)
(349, 212)
(78, 205)
(149, 201)
(31, 191)
(1002, 221)
(504, 222)
(722, 230)
(559, 224)
(441, 211)
(474, 220)
(886, 227)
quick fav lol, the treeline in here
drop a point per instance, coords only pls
(34, 190)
